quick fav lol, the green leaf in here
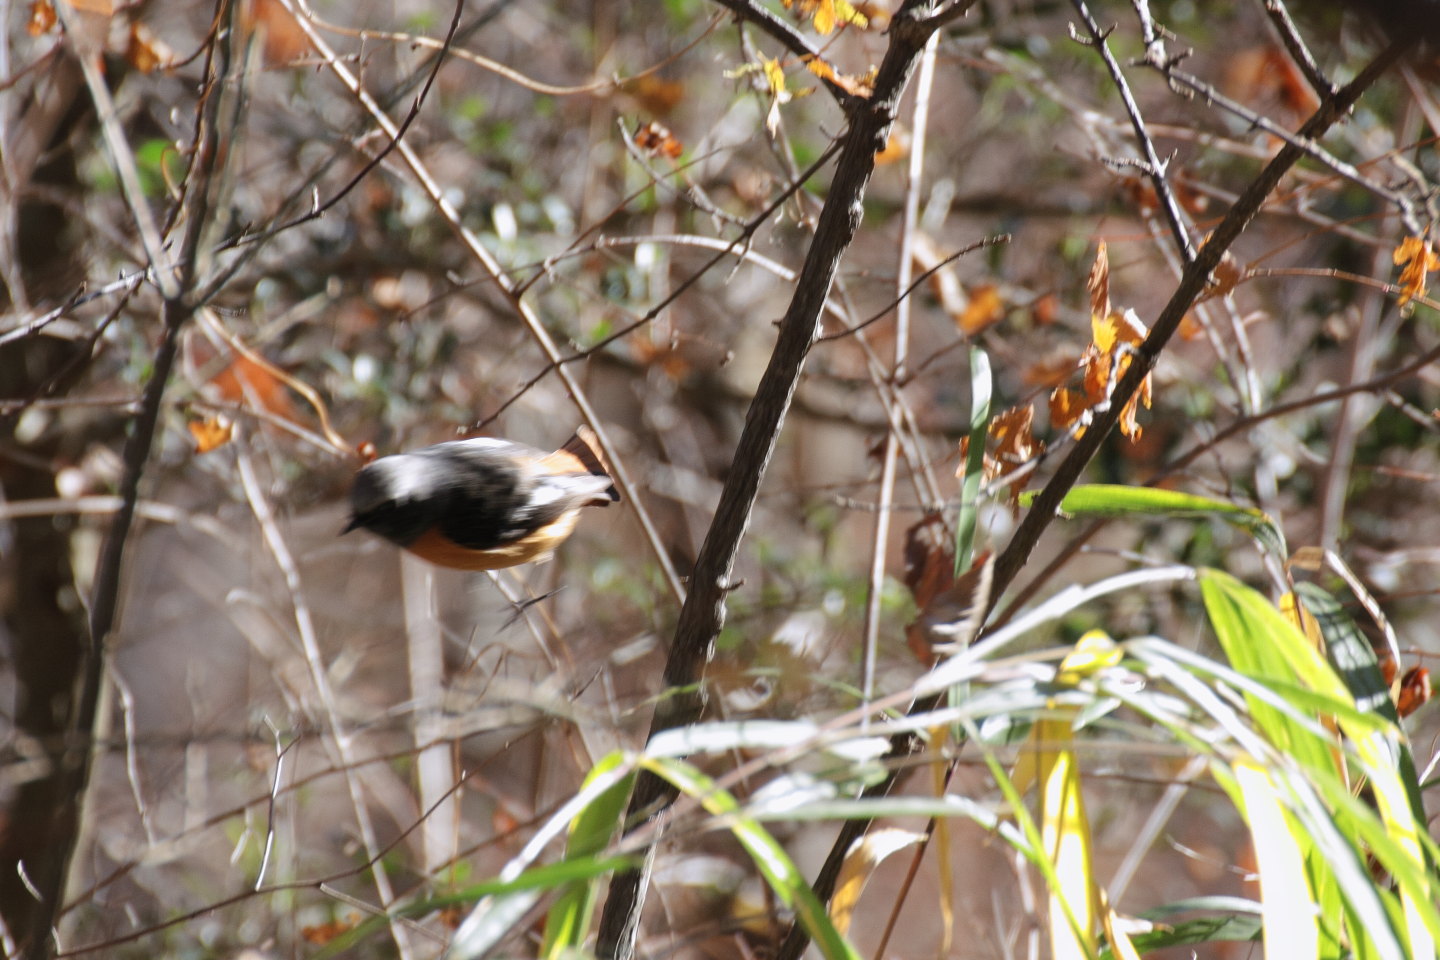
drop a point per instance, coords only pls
(568, 921)
(1116, 500)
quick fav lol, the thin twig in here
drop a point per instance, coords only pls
(503, 282)
(703, 613)
(1295, 46)
(880, 533)
(1043, 510)
(1153, 166)
(1300, 141)
(740, 241)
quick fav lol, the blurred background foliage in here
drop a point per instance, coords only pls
(605, 153)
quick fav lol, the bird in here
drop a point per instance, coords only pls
(482, 503)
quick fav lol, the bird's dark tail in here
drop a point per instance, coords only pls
(586, 448)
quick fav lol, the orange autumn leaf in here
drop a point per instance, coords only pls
(1190, 327)
(1068, 407)
(861, 85)
(1046, 310)
(212, 433)
(1097, 375)
(1015, 443)
(825, 15)
(283, 40)
(1115, 336)
(985, 309)
(989, 469)
(1418, 260)
(1268, 73)
(663, 356)
(1117, 328)
(42, 18)
(1415, 691)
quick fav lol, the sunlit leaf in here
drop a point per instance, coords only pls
(1287, 908)
(1118, 500)
(863, 857)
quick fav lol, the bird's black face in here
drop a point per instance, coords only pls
(391, 497)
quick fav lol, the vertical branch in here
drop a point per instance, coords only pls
(74, 763)
(703, 613)
(914, 178)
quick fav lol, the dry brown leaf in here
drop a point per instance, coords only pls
(1046, 310)
(1226, 276)
(246, 381)
(282, 39)
(929, 559)
(857, 86)
(1012, 431)
(1415, 259)
(1267, 73)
